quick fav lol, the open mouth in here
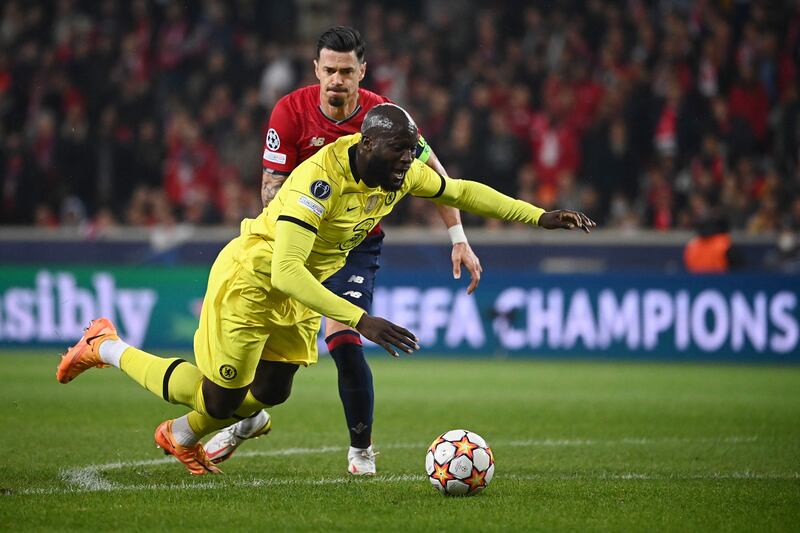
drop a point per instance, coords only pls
(399, 174)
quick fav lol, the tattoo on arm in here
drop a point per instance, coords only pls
(270, 184)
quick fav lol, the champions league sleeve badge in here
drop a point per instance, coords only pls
(320, 189)
(273, 140)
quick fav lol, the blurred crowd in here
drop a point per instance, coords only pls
(643, 114)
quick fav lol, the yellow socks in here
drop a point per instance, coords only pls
(202, 424)
(178, 381)
(174, 380)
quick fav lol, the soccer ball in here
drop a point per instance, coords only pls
(459, 463)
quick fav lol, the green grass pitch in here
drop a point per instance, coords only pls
(580, 446)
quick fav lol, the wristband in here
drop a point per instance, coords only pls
(457, 234)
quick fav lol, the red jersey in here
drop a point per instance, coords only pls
(298, 128)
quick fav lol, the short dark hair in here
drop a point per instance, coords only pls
(342, 39)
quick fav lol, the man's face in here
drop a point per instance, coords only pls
(339, 74)
(390, 157)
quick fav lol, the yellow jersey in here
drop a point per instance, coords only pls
(323, 211)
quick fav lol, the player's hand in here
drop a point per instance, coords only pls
(463, 255)
(566, 219)
(388, 335)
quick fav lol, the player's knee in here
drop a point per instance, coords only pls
(331, 327)
(271, 393)
(273, 382)
(220, 410)
(221, 403)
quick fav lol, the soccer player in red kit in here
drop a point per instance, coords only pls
(301, 123)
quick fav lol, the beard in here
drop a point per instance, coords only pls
(382, 174)
(390, 185)
(337, 100)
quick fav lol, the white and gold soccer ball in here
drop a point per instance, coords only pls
(459, 463)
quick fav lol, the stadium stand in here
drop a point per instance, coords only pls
(644, 115)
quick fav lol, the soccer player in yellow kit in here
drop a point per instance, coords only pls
(264, 299)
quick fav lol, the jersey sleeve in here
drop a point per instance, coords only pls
(293, 245)
(471, 196)
(307, 196)
(280, 146)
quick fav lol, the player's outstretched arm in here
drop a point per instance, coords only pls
(462, 253)
(386, 334)
(566, 219)
(482, 200)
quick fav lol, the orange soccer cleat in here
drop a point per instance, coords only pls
(193, 457)
(85, 354)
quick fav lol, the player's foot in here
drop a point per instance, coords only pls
(223, 444)
(85, 354)
(361, 461)
(193, 457)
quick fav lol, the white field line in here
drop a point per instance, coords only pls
(403, 478)
(89, 478)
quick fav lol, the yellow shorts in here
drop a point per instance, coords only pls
(243, 321)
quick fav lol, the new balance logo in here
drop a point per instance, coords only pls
(356, 279)
(352, 294)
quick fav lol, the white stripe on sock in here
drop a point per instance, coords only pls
(182, 431)
(111, 351)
